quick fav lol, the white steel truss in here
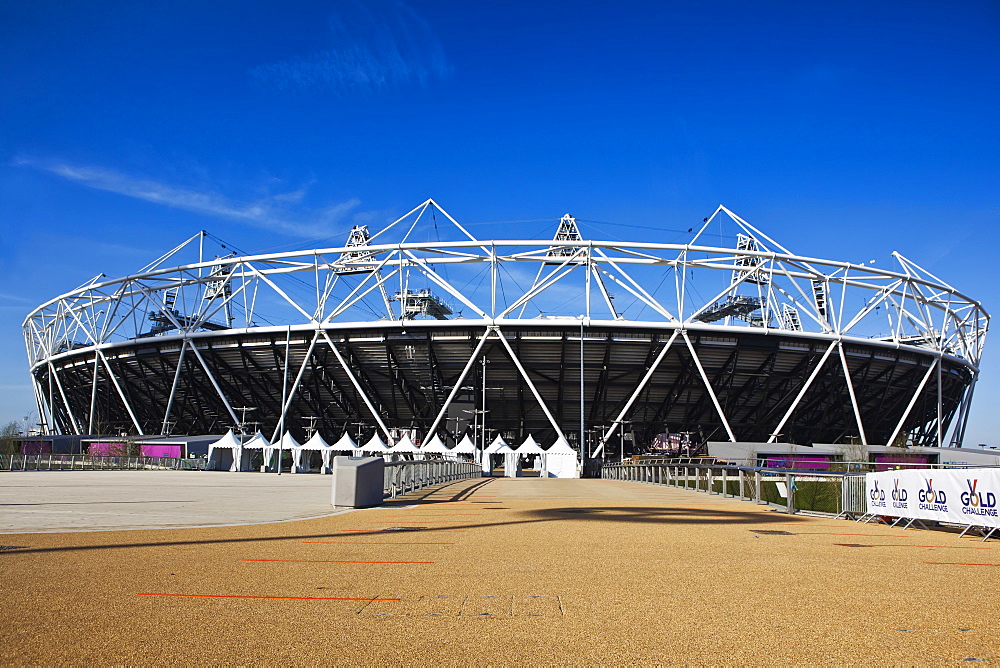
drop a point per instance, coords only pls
(756, 286)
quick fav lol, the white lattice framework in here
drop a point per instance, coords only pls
(493, 285)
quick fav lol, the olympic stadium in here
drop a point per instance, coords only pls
(424, 328)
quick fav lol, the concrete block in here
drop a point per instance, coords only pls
(357, 482)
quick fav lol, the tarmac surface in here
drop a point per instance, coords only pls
(483, 571)
(43, 501)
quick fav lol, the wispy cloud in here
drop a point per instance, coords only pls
(13, 298)
(377, 45)
(278, 213)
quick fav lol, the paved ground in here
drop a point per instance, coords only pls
(41, 501)
(504, 572)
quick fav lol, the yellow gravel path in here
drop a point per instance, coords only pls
(503, 572)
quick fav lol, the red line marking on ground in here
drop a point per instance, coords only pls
(830, 533)
(795, 524)
(943, 547)
(414, 530)
(310, 561)
(351, 542)
(424, 521)
(947, 563)
(272, 598)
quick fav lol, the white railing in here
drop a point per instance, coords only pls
(404, 477)
(56, 462)
(840, 493)
(832, 493)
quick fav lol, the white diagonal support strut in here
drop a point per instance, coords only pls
(850, 390)
(173, 388)
(121, 394)
(531, 385)
(635, 395)
(708, 386)
(295, 386)
(913, 401)
(211, 378)
(458, 384)
(357, 385)
(802, 392)
(62, 393)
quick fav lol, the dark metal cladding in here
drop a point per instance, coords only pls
(409, 373)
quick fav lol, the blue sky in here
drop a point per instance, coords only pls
(843, 129)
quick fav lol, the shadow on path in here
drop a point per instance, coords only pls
(648, 515)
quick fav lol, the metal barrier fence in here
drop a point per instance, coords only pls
(52, 462)
(404, 477)
(832, 493)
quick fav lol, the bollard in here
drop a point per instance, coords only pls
(790, 484)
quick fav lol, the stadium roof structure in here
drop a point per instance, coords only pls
(424, 327)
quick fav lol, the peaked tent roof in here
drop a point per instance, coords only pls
(465, 447)
(405, 444)
(560, 447)
(375, 444)
(498, 446)
(434, 445)
(529, 447)
(258, 442)
(288, 442)
(316, 443)
(345, 444)
(227, 441)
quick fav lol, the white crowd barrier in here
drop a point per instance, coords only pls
(956, 496)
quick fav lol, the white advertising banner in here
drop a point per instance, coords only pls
(960, 496)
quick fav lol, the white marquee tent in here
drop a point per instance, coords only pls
(530, 448)
(225, 453)
(404, 446)
(497, 447)
(315, 444)
(257, 442)
(559, 461)
(287, 442)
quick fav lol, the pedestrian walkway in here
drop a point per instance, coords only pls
(504, 571)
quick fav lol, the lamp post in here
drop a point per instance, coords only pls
(583, 455)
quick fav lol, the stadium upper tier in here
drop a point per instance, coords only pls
(435, 330)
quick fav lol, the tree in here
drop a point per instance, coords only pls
(8, 435)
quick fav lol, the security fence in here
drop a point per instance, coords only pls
(833, 493)
(404, 477)
(54, 462)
